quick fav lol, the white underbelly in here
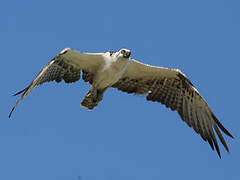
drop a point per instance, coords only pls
(110, 75)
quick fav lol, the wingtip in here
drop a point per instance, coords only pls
(14, 107)
(218, 151)
(10, 114)
(221, 126)
(219, 155)
(20, 92)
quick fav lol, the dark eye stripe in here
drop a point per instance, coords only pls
(123, 51)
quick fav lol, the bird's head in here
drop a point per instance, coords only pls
(124, 53)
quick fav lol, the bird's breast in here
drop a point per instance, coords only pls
(111, 73)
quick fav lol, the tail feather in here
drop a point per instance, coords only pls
(92, 98)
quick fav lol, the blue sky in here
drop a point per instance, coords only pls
(51, 137)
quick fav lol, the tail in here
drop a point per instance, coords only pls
(93, 97)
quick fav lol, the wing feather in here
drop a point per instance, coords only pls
(194, 121)
(173, 89)
(207, 126)
(66, 66)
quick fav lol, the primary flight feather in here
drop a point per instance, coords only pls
(117, 70)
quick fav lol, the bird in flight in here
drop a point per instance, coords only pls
(118, 70)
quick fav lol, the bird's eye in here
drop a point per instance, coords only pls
(123, 51)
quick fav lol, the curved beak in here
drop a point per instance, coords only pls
(127, 54)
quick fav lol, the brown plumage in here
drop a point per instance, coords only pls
(56, 70)
(179, 94)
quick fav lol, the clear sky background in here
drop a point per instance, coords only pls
(51, 137)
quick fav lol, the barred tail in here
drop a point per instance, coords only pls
(92, 98)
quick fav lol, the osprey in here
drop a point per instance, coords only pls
(117, 70)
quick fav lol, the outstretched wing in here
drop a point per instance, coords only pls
(172, 88)
(65, 66)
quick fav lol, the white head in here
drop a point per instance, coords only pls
(122, 53)
(125, 53)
